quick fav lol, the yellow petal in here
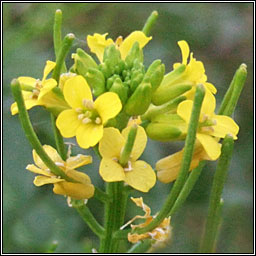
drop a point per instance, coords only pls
(184, 110)
(37, 170)
(42, 180)
(78, 176)
(29, 102)
(111, 171)
(111, 143)
(210, 145)
(225, 125)
(48, 85)
(108, 106)
(195, 70)
(136, 36)
(51, 152)
(184, 47)
(211, 88)
(75, 190)
(74, 162)
(208, 105)
(67, 122)
(50, 65)
(97, 44)
(75, 90)
(139, 144)
(142, 177)
(88, 135)
(26, 80)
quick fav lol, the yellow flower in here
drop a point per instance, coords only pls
(137, 174)
(210, 125)
(82, 189)
(34, 90)
(182, 82)
(168, 167)
(194, 72)
(86, 118)
(160, 234)
(97, 43)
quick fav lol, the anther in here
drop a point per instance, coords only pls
(129, 168)
(98, 120)
(119, 41)
(88, 104)
(86, 120)
(80, 116)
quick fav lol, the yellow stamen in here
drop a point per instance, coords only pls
(86, 120)
(98, 120)
(88, 104)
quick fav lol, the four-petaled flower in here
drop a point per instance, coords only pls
(86, 118)
(97, 43)
(80, 189)
(137, 174)
(211, 127)
(34, 90)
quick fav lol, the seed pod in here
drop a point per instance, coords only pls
(140, 100)
(96, 81)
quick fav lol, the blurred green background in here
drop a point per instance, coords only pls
(219, 34)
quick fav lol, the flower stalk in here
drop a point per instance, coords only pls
(150, 22)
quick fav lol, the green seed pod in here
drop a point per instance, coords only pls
(134, 53)
(83, 62)
(140, 100)
(120, 90)
(96, 81)
(163, 132)
(155, 73)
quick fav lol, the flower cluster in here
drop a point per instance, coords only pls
(113, 104)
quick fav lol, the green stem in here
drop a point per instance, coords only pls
(232, 95)
(150, 22)
(141, 247)
(187, 188)
(101, 196)
(89, 219)
(185, 164)
(106, 241)
(126, 152)
(66, 45)
(215, 197)
(61, 148)
(57, 39)
(30, 133)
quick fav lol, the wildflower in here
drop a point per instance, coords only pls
(86, 118)
(80, 189)
(160, 234)
(211, 126)
(183, 79)
(137, 174)
(168, 167)
(97, 43)
(34, 90)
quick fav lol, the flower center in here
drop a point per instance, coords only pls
(207, 123)
(128, 167)
(88, 114)
(36, 90)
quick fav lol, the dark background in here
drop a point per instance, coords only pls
(219, 34)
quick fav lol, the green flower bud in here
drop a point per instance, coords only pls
(136, 79)
(83, 62)
(106, 70)
(120, 90)
(155, 73)
(169, 107)
(140, 100)
(163, 132)
(111, 55)
(134, 53)
(171, 87)
(96, 81)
